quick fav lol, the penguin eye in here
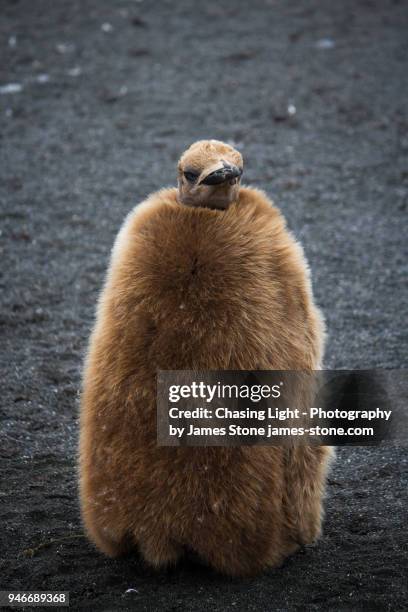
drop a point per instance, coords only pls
(191, 176)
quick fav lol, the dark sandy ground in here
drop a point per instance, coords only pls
(81, 145)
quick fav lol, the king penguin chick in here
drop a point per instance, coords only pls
(202, 277)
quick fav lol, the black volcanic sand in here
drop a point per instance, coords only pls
(82, 145)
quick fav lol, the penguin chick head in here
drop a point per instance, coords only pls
(209, 174)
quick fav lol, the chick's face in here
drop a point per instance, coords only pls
(209, 174)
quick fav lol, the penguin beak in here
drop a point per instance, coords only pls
(219, 173)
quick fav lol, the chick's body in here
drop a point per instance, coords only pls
(197, 288)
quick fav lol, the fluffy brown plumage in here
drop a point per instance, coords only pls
(216, 283)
